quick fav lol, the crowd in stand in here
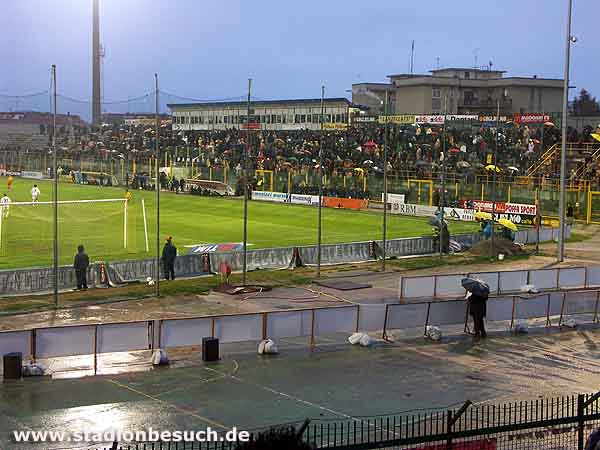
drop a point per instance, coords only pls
(422, 151)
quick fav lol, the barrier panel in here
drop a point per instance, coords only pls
(371, 317)
(335, 320)
(447, 313)
(289, 324)
(576, 303)
(239, 328)
(15, 341)
(39, 279)
(544, 278)
(417, 287)
(337, 253)
(412, 315)
(572, 277)
(65, 341)
(531, 307)
(408, 246)
(512, 281)
(449, 285)
(268, 258)
(123, 337)
(555, 303)
(500, 308)
(592, 276)
(184, 332)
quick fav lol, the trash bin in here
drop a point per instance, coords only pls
(13, 366)
(210, 349)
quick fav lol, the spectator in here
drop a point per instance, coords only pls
(169, 254)
(81, 264)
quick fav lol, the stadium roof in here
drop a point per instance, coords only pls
(263, 102)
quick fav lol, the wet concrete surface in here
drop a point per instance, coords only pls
(334, 381)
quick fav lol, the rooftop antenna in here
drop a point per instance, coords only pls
(476, 54)
(437, 63)
(412, 57)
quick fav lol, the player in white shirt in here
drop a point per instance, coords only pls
(35, 193)
(5, 205)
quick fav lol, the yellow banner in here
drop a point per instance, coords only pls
(335, 126)
(403, 118)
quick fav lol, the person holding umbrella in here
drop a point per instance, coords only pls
(477, 295)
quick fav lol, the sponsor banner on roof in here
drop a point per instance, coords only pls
(462, 118)
(406, 119)
(532, 118)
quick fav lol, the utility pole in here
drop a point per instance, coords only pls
(320, 183)
(245, 176)
(157, 170)
(96, 94)
(55, 196)
(563, 150)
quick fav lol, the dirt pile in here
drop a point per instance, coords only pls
(504, 246)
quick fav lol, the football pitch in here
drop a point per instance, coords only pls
(27, 233)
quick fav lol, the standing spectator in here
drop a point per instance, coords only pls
(169, 254)
(477, 309)
(81, 264)
(182, 184)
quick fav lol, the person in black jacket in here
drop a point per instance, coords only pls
(477, 309)
(81, 264)
(169, 254)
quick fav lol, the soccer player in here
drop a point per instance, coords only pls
(5, 205)
(35, 193)
(9, 183)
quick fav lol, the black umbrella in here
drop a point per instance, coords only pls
(476, 286)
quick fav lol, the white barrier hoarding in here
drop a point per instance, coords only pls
(409, 209)
(393, 198)
(282, 197)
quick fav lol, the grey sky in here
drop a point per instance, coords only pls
(207, 49)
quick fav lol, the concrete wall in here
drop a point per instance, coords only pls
(414, 100)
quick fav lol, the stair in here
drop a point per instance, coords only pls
(546, 158)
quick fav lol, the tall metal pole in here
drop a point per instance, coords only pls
(563, 150)
(385, 184)
(157, 174)
(494, 181)
(443, 194)
(320, 182)
(245, 175)
(96, 82)
(55, 190)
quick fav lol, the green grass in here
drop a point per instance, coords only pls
(27, 232)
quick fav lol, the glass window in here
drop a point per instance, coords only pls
(309, 118)
(273, 118)
(338, 118)
(328, 118)
(297, 118)
(284, 119)
(436, 93)
(315, 118)
(278, 118)
(303, 118)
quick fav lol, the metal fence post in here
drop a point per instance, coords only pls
(580, 421)
(449, 426)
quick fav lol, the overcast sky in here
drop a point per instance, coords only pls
(207, 49)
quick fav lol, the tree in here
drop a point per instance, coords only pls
(585, 104)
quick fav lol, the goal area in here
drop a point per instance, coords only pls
(109, 229)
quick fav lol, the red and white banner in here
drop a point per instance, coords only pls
(531, 118)
(501, 207)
